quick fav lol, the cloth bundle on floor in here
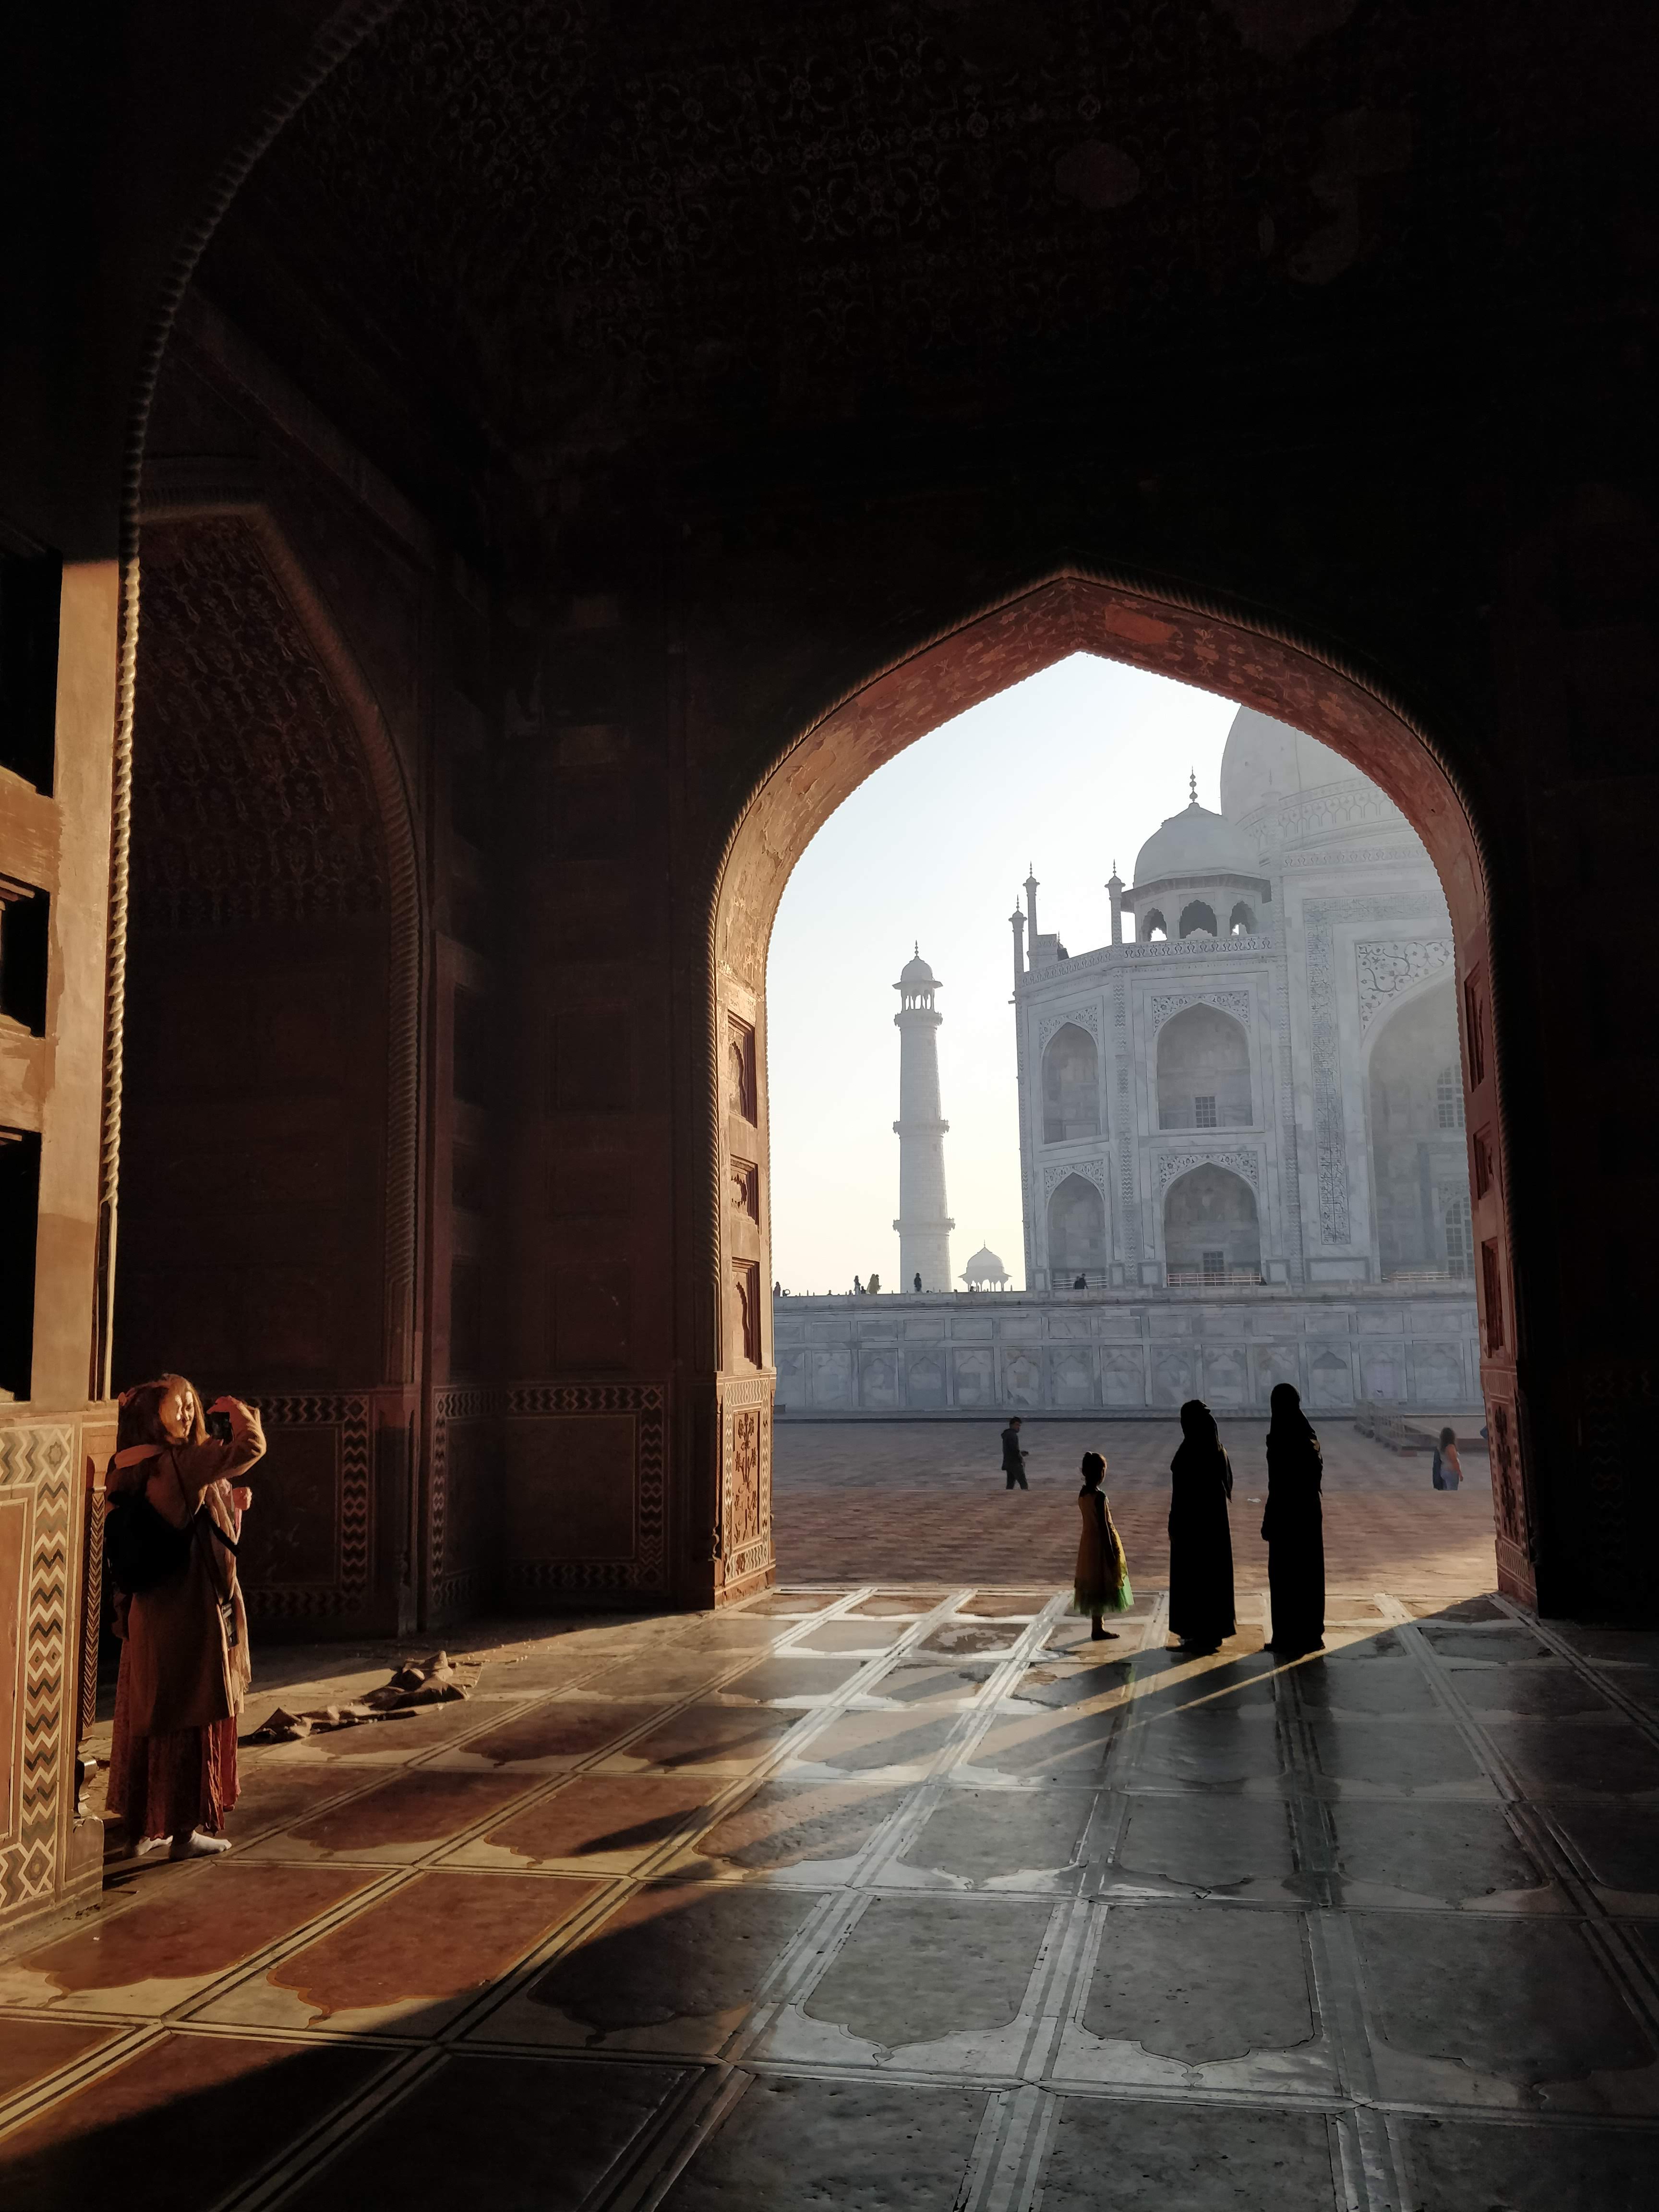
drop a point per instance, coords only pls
(432, 1681)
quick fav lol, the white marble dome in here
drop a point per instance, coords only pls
(1266, 763)
(917, 976)
(1195, 843)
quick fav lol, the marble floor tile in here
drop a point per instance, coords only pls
(829, 2146)
(1617, 1842)
(175, 2127)
(860, 1742)
(1600, 1756)
(711, 1735)
(792, 1825)
(1495, 1646)
(548, 1738)
(1464, 2165)
(1205, 1747)
(675, 1969)
(1199, 1985)
(924, 1969)
(865, 1636)
(1348, 1685)
(901, 1605)
(523, 2135)
(996, 1838)
(390, 1742)
(411, 1958)
(177, 1935)
(1047, 1747)
(1007, 1605)
(598, 1823)
(1542, 1689)
(1056, 1683)
(794, 1674)
(396, 1821)
(1506, 2011)
(30, 2050)
(1139, 2157)
(968, 1639)
(792, 1604)
(1426, 1852)
(1409, 1756)
(929, 1681)
(1186, 1843)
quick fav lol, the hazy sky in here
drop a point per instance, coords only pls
(1070, 769)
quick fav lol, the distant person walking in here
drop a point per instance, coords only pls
(1447, 1471)
(1293, 1528)
(1200, 1538)
(1101, 1583)
(1014, 1459)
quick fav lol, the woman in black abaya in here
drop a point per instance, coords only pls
(1201, 1538)
(1293, 1528)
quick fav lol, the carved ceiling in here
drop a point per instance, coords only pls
(587, 226)
(252, 802)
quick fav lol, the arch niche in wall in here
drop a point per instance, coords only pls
(1419, 1161)
(1071, 1086)
(1205, 645)
(1203, 1070)
(271, 1046)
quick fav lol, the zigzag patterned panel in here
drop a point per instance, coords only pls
(348, 1413)
(37, 1460)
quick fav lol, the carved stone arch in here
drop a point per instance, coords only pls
(322, 677)
(832, 748)
(1071, 1083)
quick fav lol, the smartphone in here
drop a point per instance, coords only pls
(218, 1425)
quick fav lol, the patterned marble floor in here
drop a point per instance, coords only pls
(894, 1900)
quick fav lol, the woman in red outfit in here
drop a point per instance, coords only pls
(184, 1640)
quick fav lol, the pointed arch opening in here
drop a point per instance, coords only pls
(1071, 1086)
(1212, 1232)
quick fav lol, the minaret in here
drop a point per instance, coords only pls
(1114, 892)
(923, 1225)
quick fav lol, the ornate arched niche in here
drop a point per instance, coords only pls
(267, 1191)
(1073, 612)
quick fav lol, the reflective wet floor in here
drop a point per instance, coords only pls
(900, 1897)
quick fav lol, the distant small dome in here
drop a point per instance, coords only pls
(1195, 842)
(1266, 763)
(985, 1268)
(917, 976)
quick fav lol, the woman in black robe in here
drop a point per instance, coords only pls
(1201, 1538)
(1293, 1528)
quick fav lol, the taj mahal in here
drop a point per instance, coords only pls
(1241, 1150)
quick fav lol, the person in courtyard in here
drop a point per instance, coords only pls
(1200, 1538)
(184, 1669)
(858, 1288)
(1014, 1459)
(1447, 1471)
(1081, 1283)
(1292, 1527)
(916, 1280)
(1101, 1583)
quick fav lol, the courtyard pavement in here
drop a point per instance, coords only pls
(895, 1895)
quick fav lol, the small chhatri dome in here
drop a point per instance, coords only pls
(1195, 843)
(984, 1267)
(917, 976)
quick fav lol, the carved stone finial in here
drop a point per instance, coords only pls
(1192, 787)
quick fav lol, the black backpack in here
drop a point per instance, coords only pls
(142, 1548)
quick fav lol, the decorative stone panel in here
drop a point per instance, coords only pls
(1320, 918)
(1092, 1171)
(1387, 967)
(584, 1487)
(306, 1546)
(745, 1524)
(37, 1470)
(1084, 1018)
(1163, 1005)
(1241, 1162)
